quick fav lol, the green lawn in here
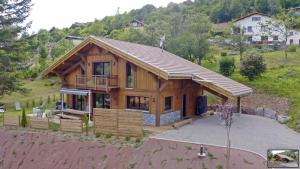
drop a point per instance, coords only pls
(281, 79)
(39, 89)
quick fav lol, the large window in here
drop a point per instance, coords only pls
(138, 102)
(129, 75)
(168, 103)
(101, 68)
(101, 100)
(79, 102)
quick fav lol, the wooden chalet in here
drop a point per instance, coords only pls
(106, 73)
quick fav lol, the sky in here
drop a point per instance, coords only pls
(62, 13)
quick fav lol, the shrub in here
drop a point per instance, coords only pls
(252, 66)
(24, 119)
(219, 166)
(223, 53)
(108, 135)
(127, 138)
(33, 103)
(98, 134)
(138, 140)
(27, 104)
(226, 66)
(85, 120)
(292, 48)
(49, 99)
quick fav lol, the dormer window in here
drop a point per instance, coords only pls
(256, 18)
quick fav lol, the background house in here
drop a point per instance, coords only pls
(258, 30)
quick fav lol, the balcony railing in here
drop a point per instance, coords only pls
(97, 82)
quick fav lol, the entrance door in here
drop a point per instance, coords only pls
(101, 100)
(184, 106)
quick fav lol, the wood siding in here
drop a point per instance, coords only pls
(145, 84)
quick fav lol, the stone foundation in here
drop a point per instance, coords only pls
(167, 118)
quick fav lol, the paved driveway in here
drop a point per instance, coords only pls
(248, 132)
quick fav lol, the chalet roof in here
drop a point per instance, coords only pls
(251, 14)
(138, 21)
(164, 64)
(283, 156)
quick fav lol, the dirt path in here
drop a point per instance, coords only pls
(25, 150)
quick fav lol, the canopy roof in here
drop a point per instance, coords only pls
(161, 63)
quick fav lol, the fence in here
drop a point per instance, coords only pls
(39, 123)
(68, 125)
(10, 120)
(118, 122)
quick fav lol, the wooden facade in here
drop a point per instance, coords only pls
(145, 84)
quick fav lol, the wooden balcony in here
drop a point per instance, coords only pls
(97, 82)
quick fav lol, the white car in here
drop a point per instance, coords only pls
(2, 109)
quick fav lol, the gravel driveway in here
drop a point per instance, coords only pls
(248, 132)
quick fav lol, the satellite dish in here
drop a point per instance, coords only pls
(162, 42)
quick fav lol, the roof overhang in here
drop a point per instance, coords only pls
(123, 54)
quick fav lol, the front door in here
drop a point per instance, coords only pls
(101, 100)
(184, 106)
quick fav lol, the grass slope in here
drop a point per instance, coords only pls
(38, 89)
(281, 79)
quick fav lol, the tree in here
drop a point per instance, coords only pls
(85, 120)
(284, 22)
(200, 27)
(12, 17)
(226, 113)
(252, 66)
(226, 66)
(238, 40)
(24, 118)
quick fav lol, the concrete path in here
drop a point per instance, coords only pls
(248, 132)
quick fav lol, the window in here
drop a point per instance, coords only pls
(101, 68)
(249, 29)
(101, 100)
(168, 103)
(78, 102)
(250, 38)
(264, 28)
(256, 18)
(275, 38)
(138, 102)
(291, 41)
(264, 38)
(82, 72)
(291, 33)
(129, 75)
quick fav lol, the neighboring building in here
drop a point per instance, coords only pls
(258, 30)
(294, 38)
(112, 74)
(135, 24)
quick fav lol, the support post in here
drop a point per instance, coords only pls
(90, 107)
(239, 105)
(157, 115)
(62, 103)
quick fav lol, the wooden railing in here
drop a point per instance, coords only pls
(97, 82)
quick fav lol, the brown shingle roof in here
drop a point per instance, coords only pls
(170, 65)
(174, 66)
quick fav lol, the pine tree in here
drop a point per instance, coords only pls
(24, 119)
(13, 15)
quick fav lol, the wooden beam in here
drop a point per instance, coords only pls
(164, 85)
(70, 69)
(239, 105)
(157, 116)
(215, 93)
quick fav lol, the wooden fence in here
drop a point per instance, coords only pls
(10, 120)
(118, 122)
(39, 123)
(71, 125)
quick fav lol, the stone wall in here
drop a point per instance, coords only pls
(167, 118)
